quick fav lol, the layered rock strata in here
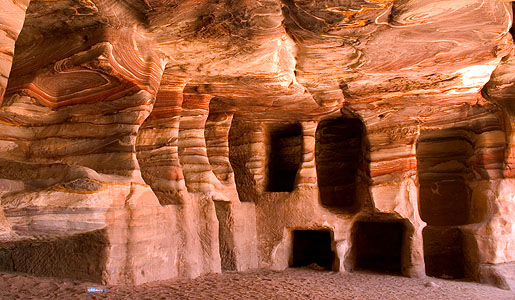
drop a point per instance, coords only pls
(146, 140)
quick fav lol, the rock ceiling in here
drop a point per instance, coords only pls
(266, 58)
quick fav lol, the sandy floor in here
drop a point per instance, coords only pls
(290, 284)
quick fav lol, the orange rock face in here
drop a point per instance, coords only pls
(147, 140)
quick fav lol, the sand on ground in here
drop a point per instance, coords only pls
(290, 284)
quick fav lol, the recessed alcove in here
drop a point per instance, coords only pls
(284, 156)
(243, 157)
(225, 236)
(378, 246)
(443, 160)
(82, 256)
(339, 156)
(445, 201)
(443, 252)
(312, 247)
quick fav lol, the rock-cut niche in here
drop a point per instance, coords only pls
(284, 156)
(242, 156)
(225, 236)
(443, 160)
(443, 252)
(378, 245)
(339, 157)
(444, 167)
(312, 247)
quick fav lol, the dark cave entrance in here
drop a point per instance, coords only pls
(443, 252)
(284, 157)
(339, 156)
(312, 247)
(378, 246)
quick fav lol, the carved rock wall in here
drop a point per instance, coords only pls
(178, 138)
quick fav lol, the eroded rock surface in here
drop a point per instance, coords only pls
(185, 137)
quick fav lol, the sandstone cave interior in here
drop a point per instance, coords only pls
(147, 140)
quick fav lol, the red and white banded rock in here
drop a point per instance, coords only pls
(11, 22)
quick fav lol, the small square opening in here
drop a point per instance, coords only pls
(443, 252)
(378, 246)
(312, 247)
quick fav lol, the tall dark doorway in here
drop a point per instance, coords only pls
(339, 156)
(285, 156)
(443, 252)
(312, 247)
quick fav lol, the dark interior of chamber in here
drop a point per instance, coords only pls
(443, 252)
(312, 247)
(339, 156)
(378, 246)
